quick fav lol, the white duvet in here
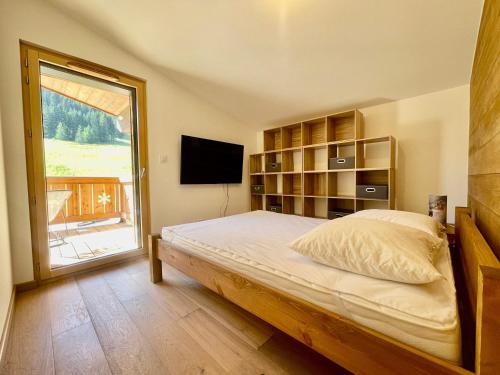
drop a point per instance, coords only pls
(255, 244)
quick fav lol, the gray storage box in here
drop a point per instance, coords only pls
(341, 163)
(372, 191)
(275, 208)
(335, 214)
(273, 167)
(257, 189)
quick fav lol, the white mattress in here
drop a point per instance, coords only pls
(255, 244)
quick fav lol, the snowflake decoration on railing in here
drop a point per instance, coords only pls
(104, 198)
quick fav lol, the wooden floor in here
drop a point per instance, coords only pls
(83, 243)
(114, 321)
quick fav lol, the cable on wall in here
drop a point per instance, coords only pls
(225, 189)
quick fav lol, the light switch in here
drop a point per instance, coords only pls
(163, 157)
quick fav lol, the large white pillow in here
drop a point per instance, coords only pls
(372, 248)
(411, 219)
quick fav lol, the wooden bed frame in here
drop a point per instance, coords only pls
(357, 348)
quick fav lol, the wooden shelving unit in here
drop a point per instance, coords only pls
(305, 185)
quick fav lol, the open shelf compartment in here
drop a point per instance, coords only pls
(342, 150)
(291, 161)
(374, 177)
(344, 126)
(339, 207)
(315, 207)
(342, 184)
(256, 163)
(257, 202)
(315, 158)
(315, 184)
(273, 200)
(272, 139)
(292, 184)
(292, 205)
(314, 132)
(292, 136)
(257, 180)
(376, 152)
(271, 158)
(272, 184)
(371, 205)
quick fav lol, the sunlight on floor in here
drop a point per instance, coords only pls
(80, 243)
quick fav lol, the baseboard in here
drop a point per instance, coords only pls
(24, 287)
(29, 285)
(7, 326)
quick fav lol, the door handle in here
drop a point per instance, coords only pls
(143, 170)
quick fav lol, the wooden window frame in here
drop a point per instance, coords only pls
(31, 55)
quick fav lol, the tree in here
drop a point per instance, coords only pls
(49, 123)
(63, 133)
(80, 137)
(70, 120)
(93, 133)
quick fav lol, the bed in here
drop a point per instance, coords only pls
(364, 324)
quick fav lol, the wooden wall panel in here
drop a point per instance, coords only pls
(484, 132)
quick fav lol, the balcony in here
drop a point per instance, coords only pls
(95, 219)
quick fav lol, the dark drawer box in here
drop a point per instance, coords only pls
(372, 191)
(273, 167)
(257, 189)
(338, 213)
(275, 208)
(341, 163)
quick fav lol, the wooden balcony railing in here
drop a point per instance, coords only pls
(93, 198)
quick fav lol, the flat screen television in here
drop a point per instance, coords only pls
(205, 161)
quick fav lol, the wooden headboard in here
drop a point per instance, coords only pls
(484, 130)
(481, 271)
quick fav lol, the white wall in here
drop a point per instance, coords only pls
(432, 133)
(171, 111)
(5, 261)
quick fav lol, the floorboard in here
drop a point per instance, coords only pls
(178, 351)
(247, 327)
(166, 295)
(122, 284)
(114, 321)
(30, 344)
(67, 309)
(296, 358)
(126, 350)
(78, 351)
(224, 346)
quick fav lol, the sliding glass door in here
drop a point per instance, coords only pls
(87, 166)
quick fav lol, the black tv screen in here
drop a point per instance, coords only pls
(204, 161)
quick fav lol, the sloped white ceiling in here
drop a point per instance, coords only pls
(269, 61)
